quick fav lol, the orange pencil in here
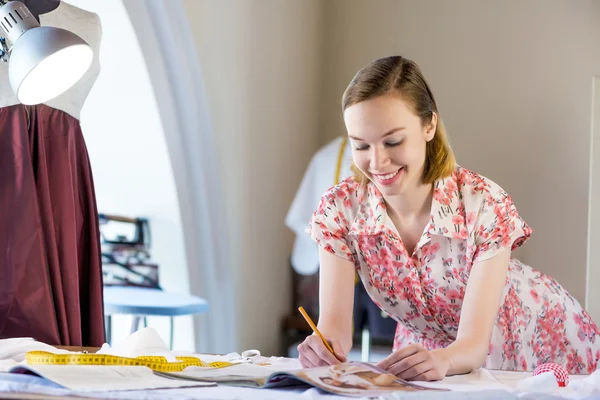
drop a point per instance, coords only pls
(314, 328)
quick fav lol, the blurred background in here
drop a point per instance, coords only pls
(207, 114)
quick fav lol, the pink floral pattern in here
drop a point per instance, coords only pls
(472, 219)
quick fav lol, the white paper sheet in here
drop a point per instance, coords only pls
(85, 378)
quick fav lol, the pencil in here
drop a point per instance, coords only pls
(314, 328)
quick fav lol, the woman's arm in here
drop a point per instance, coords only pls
(479, 311)
(469, 350)
(336, 298)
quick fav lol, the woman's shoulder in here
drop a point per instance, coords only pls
(343, 198)
(490, 213)
(335, 213)
(473, 185)
(346, 190)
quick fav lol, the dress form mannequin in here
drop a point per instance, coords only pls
(50, 274)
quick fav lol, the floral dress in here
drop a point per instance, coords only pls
(472, 219)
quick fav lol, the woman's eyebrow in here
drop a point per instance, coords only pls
(390, 132)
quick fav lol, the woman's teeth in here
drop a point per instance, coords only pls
(388, 176)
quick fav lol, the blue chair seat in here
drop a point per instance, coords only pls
(143, 302)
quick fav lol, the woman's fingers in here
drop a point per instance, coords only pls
(416, 370)
(407, 366)
(323, 352)
(305, 362)
(314, 353)
(431, 375)
(312, 359)
(414, 362)
(306, 353)
(399, 355)
(338, 350)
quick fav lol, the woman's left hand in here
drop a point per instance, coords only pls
(416, 363)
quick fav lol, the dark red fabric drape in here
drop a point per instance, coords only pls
(50, 265)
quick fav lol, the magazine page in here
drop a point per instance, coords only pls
(351, 379)
(244, 374)
(86, 378)
(354, 379)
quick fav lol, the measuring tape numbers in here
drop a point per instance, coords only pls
(155, 363)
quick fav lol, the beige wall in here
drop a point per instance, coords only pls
(513, 83)
(260, 63)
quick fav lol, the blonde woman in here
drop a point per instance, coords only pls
(432, 244)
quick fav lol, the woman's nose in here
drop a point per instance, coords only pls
(379, 159)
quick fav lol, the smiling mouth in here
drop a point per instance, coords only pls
(388, 176)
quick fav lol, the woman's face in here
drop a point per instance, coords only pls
(388, 143)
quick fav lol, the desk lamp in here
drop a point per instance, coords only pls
(43, 61)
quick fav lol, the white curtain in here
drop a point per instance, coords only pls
(167, 43)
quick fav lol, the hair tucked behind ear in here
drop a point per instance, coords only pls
(398, 76)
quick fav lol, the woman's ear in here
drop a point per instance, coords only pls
(430, 127)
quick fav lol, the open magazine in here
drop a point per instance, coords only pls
(356, 379)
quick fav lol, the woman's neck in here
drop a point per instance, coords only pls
(413, 204)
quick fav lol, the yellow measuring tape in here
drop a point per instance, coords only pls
(155, 363)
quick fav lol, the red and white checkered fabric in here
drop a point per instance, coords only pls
(561, 374)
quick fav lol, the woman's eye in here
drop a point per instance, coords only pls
(366, 146)
(393, 144)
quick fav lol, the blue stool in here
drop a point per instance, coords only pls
(143, 302)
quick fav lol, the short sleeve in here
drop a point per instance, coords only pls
(329, 227)
(498, 225)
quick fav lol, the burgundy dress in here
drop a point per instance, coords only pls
(50, 271)
(50, 264)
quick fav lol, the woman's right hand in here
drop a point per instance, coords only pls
(312, 352)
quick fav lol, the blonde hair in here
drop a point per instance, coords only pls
(396, 75)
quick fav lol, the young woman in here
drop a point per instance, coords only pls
(432, 244)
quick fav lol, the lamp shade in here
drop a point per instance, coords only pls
(45, 62)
